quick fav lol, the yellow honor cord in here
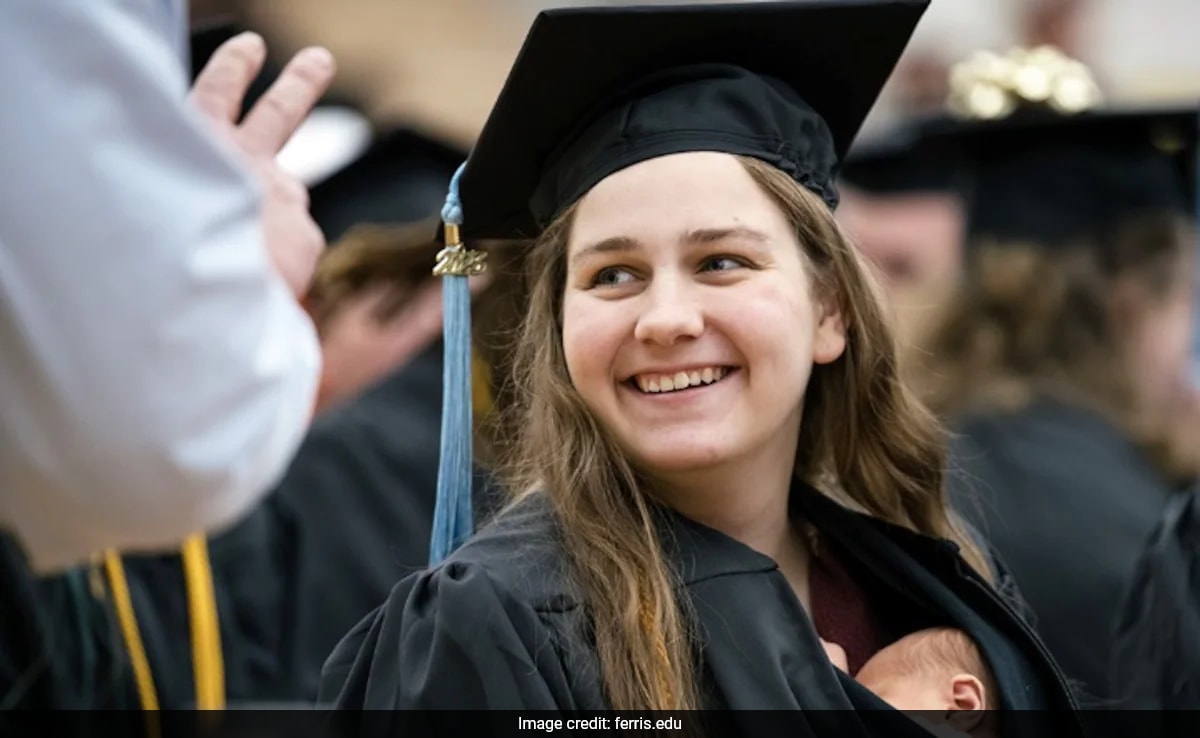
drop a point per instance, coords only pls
(207, 661)
(208, 664)
(127, 619)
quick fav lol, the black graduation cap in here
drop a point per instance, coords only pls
(1046, 178)
(400, 178)
(900, 161)
(597, 89)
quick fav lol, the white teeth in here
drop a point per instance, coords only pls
(680, 380)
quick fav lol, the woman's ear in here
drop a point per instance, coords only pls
(829, 339)
(969, 699)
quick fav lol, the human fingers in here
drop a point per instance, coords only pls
(221, 86)
(283, 107)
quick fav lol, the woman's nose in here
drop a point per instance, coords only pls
(671, 311)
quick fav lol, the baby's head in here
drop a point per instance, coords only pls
(938, 669)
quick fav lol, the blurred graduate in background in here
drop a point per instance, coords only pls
(902, 205)
(1063, 360)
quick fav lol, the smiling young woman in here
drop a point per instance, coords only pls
(714, 463)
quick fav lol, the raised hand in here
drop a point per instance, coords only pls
(292, 238)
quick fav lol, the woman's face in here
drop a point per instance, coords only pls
(690, 324)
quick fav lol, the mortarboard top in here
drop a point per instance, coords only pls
(594, 90)
(1049, 178)
(900, 161)
(1046, 163)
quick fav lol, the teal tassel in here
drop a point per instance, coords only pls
(452, 516)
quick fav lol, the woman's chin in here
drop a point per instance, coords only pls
(676, 458)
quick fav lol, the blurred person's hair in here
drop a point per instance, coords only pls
(400, 256)
(1030, 320)
(398, 259)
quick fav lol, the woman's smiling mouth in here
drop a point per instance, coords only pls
(653, 383)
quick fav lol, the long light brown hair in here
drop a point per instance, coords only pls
(395, 255)
(865, 440)
(1033, 321)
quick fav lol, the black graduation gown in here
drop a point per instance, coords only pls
(25, 680)
(60, 657)
(258, 602)
(497, 626)
(1069, 505)
(1158, 642)
(40, 665)
(360, 496)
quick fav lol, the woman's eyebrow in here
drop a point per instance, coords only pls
(614, 244)
(712, 235)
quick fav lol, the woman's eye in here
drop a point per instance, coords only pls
(611, 276)
(721, 263)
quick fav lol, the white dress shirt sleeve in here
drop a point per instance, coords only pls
(156, 374)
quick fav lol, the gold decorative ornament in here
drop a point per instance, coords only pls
(990, 86)
(460, 261)
(457, 260)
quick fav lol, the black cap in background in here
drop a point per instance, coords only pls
(401, 178)
(1048, 178)
(899, 161)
